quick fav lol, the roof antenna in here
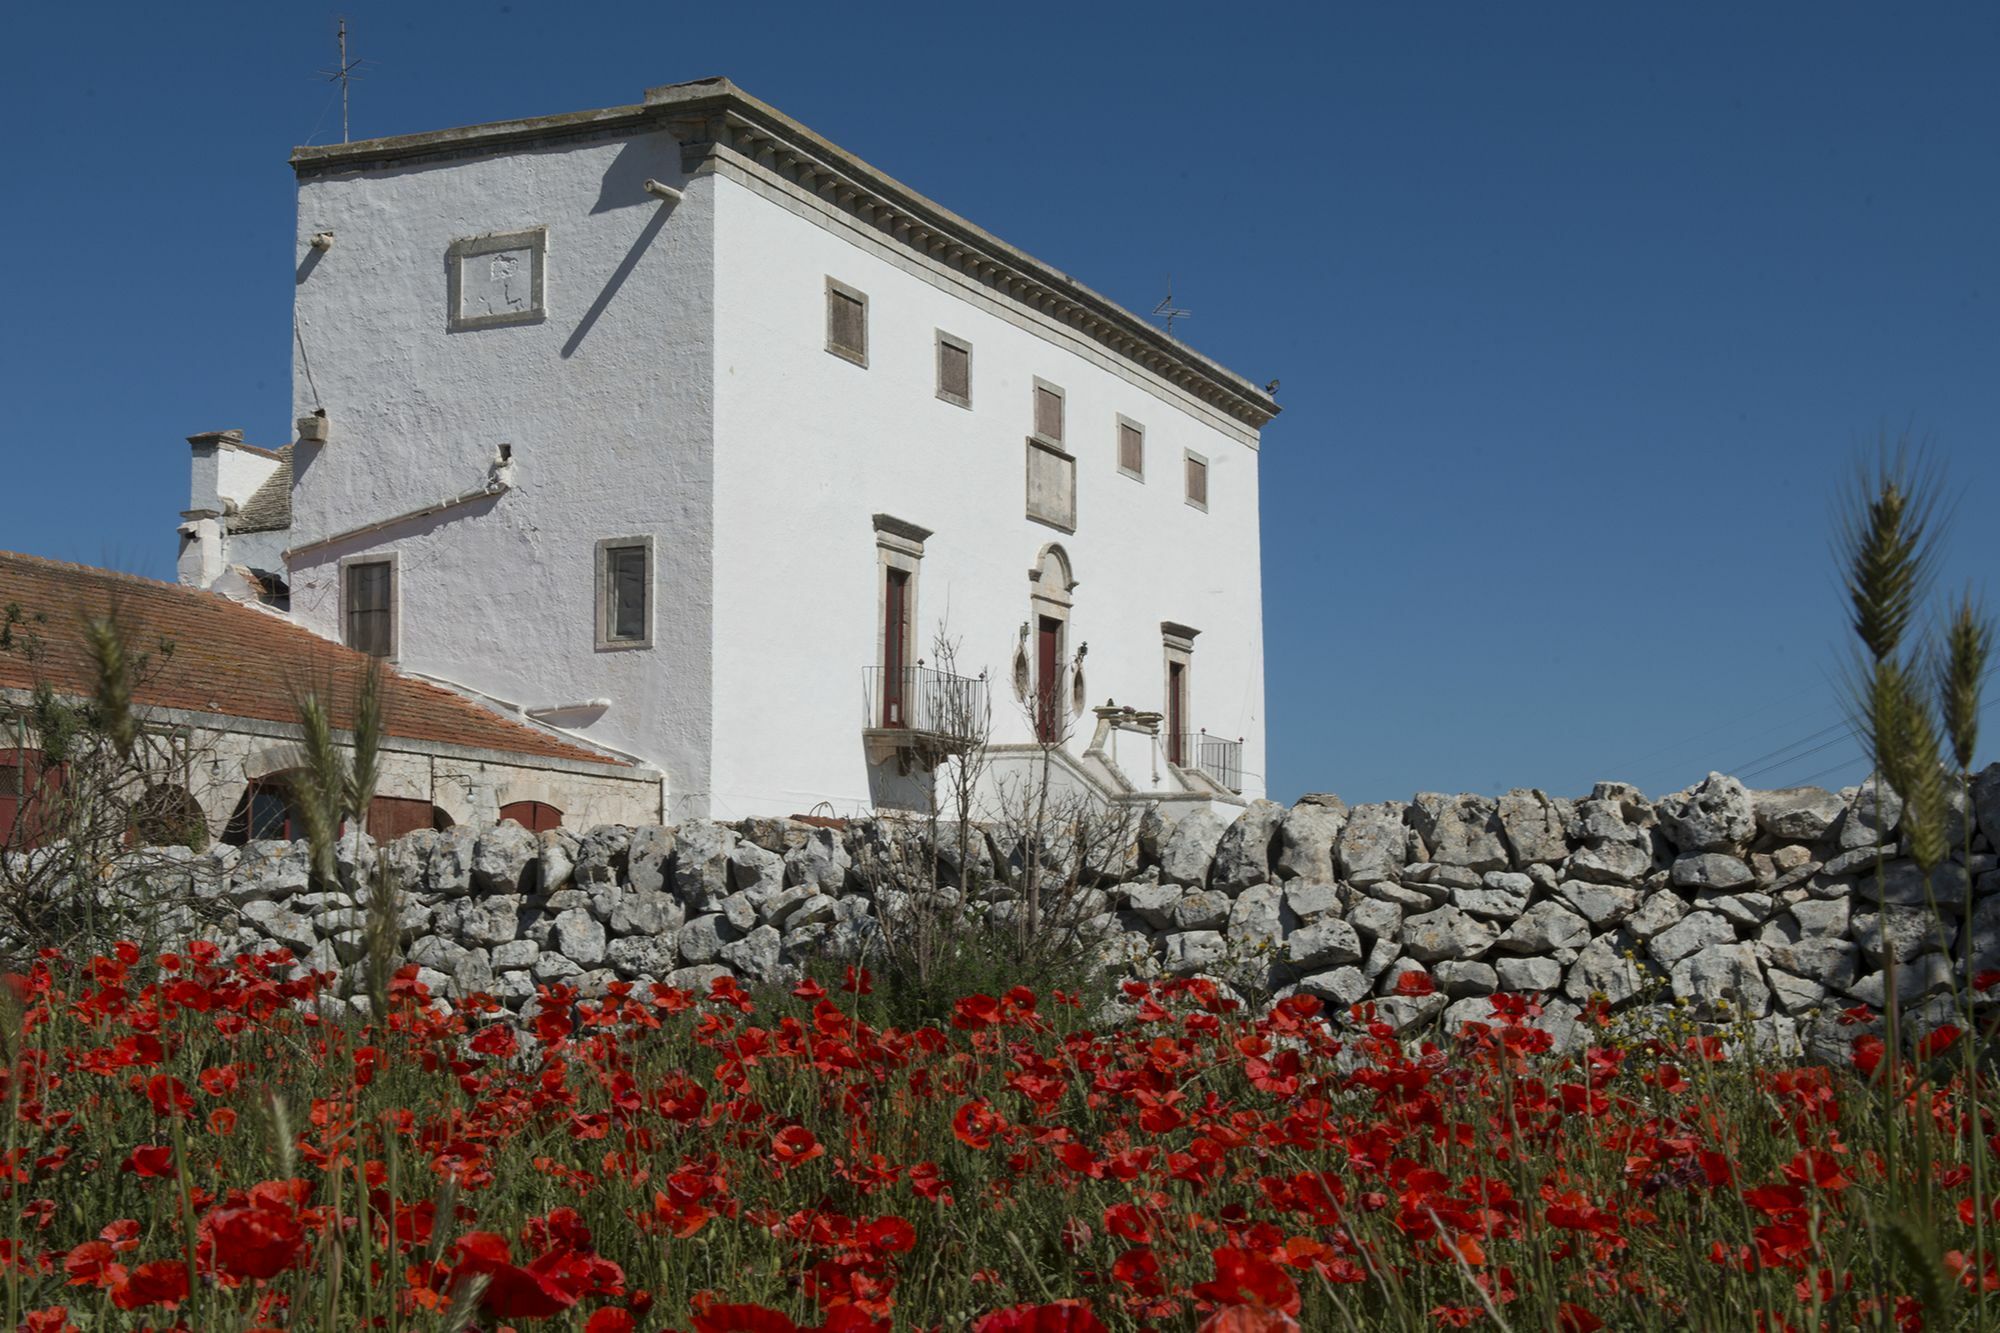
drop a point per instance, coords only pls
(345, 74)
(1168, 311)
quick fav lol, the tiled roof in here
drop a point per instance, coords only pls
(269, 508)
(232, 659)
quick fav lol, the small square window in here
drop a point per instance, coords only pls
(1197, 481)
(1131, 449)
(954, 369)
(846, 322)
(1048, 412)
(498, 279)
(625, 592)
(368, 606)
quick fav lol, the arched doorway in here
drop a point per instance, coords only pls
(266, 810)
(534, 816)
(1042, 665)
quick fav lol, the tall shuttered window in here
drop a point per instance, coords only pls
(954, 369)
(1132, 449)
(625, 592)
(1197, 481)
(846, 322)
(368, 601)
(1048, 412)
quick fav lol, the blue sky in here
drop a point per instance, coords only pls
(1581, 311)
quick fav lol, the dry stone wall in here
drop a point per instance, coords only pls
(1775, 909)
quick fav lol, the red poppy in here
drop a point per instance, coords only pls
(162, 1282)
(1248, 1319)
(610, 1320)
(795, 1145)
(150, 1160)
(512, 1292)
(744, 1319)
(258, 1240)
(1055, 1317)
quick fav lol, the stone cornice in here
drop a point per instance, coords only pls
(714, 120)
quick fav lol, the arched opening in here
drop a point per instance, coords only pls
(534, 816)
(265, 811)
(1043, 659)
(390, 817)
(166, 815)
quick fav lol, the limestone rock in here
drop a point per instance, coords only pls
(501, 857)
(1545, 927)
(556, 853)
(1341, 986)
(1372, 845)
(1374, 919)
(1327, 943)
(281, 924)
(1831, 962)
(1918, 978)
(1656, 913)
(1533, 827)
(1903, 884)
(1723, 980)
(1528, 974)
(1243, 853)
(1610, 863)
(1188, 952)
(700, 978)
(1873, 811)
(1306, 837)
(756, 955)
(1603, 969)
(756, 871)
(1153, 903)
(1447, 933)
(701, 940)
(1307, 899)
(1205, 909)
(1602, 905)
(1907, 931)
(820, 861)
(450, 868)
(701, 864)
(1710, 870)
(1255, 924)
(494, 919)
(1986, 804)
(647, 858)
(1408, 1013)
(1715, 816)
(1692, 934)
(1796, 814)
(602, 854)
(1458, 978)
(1745, 911)
(1795, 995)
(514, 955)
(1502, 897)
(643, 955)
(579, 937)
(1190, 850)
(1460, 830)
(647, 912)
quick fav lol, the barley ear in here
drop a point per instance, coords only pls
(114, 668)
(1886, 544)
(1961, 671)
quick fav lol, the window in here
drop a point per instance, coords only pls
(1197, 481)
(1131, 448)
(25, 785)
(264, 812)
(846, 322)
(899, 554)
(1048, 412)
(497, 279)
(625, 592)
(954, 369)
(368, 605)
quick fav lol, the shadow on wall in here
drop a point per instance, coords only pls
(624, 186)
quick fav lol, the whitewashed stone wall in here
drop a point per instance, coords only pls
(1773, 908)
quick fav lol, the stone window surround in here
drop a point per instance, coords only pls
(1062, 407)
(1190, 456)
(601, 586)
(1049, 599)
(390, 559)
(945, 340)
(835, 287)
(1118, 450)
(533, 239)
(899, 544)
(1177, 647)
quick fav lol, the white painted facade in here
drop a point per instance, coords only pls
(678, 387)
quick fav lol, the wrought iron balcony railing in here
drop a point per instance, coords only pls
(932, 705)
(1217, 756)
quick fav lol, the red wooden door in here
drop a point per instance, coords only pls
(1048, 686)
(1177, 713)
(534, 816)
(896, 648)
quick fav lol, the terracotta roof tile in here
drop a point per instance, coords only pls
(234, 659)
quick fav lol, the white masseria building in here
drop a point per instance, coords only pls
(680, 429)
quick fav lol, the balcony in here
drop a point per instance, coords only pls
(922, 715)
(1215, 757)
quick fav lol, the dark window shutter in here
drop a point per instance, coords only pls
(1197, 481)
(1131, 448)
(846, 324)
(1048, 414)
(368, 607)
(955, 371)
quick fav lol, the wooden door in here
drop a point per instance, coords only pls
(1048, 685)
(1177, 714)
(896, 649)
(534, 816)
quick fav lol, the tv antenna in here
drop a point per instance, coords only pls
(1167, 310)
(344, 74)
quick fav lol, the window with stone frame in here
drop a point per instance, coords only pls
(1131, 448)
(954, 369)
(1197, 480)
(368, 606)
(625, 592)
(846, 322)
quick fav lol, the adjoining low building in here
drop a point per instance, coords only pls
(221, 682)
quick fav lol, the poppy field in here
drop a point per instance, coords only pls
(194, 1143)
